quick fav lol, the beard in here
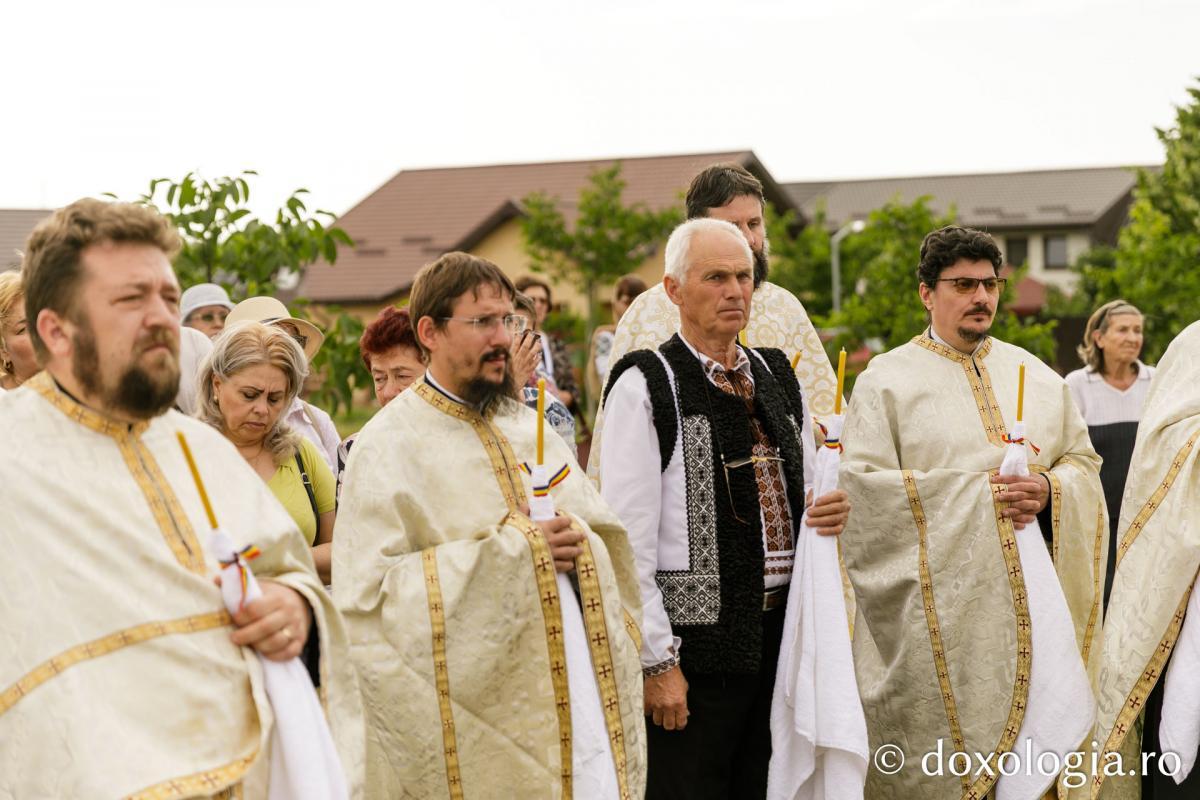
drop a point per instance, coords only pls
(138, 392)
(973, 336)
(762, 262)
(487, 395)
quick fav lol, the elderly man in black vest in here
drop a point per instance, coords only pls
(708, 462)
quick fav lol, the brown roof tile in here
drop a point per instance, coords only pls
(420, 214)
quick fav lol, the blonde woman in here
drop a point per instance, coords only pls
(17, 361)
(1110, 391)
(252, 376)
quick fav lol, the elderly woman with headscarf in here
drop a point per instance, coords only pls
(1110, 391)
(252, 376)
(17, 361)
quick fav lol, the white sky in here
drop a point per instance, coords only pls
(337, 97)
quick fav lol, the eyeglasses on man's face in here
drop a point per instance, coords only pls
(969, 285)
(512, 323)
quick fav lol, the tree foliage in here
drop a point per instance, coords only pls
(223, 242)
(338, 362)
(882, 309)
(608, 238)
(1156, 263)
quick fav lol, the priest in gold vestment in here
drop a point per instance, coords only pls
(450, 592)
(942, 639)
(122, 673)
(1152, 628)
(777, 319)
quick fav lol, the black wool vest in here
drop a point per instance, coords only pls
(715, 606)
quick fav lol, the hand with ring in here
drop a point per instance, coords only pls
(275, 624)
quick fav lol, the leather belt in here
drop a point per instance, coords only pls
(774, 598)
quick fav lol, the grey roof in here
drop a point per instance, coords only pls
(15, 226)
(996, 201)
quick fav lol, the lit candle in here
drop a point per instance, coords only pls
(1021, 394)
(541, 415)
(837, 398)
(795, 361)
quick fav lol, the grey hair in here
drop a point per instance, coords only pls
(680, 243)
(251, 344)
(1090, 352)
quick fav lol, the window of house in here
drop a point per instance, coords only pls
(1055, 251)
(1016, 250)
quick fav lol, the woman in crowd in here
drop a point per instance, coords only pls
(252, 376)
(627, 288)
(1110, 391)
(528, 367)
(390, 351)
(17, 361)
(556, 361)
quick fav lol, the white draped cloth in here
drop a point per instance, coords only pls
(1061, 706)
(304, 761)
(818, 731)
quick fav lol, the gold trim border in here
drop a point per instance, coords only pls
(543, 568)
(1147, 510)
(107, 645)
(204, 783)
(981, 384)
(931, 617)
(441, 671)
(1097, 584)
(592, 603)
(1135, 702)
(173, 524)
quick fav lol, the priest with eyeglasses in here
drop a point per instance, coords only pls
(708, 461)
(978, 587)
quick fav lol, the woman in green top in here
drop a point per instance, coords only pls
(251, 377)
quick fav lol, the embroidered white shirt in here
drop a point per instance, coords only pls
(652, 502)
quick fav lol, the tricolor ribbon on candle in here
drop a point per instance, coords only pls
(1037, 451)
(832, 444)
(551, 482)
(240, 558)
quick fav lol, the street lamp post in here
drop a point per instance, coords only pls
(836, 257)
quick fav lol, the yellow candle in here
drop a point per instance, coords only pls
(541, 415)
(1021, 394)
(837, 398)
(795, 361)
(191, 462)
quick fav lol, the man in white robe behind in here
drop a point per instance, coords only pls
(474, 684)
(123, 675)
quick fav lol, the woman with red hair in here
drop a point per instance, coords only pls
(389, 349)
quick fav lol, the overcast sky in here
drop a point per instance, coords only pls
(337, 97)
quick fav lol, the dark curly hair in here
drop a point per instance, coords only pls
(715, 186)
(392, 328)
(949, 245)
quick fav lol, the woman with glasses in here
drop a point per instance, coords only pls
(1110, 391)
(627, 288)
(17, 361)
(253, 374)
(205, 307)
(556, 361)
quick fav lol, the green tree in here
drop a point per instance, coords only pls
(338, 362)
(1155, 263)
(800, 263)
(887, 312)
(224, 243)
(607, 240)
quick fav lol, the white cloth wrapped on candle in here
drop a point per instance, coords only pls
(1061, 708)
(304, 762)
(818, 731)
(594, 772)
(1179, 727)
